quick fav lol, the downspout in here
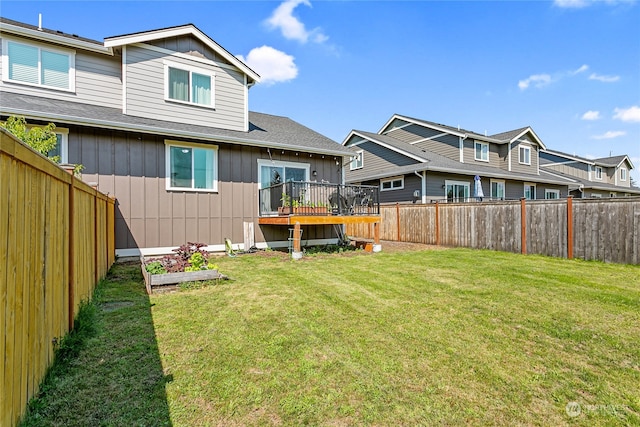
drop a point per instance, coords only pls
(423, 177)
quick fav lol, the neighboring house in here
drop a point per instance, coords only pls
(604, 177)
(160, 120)
(415, 160)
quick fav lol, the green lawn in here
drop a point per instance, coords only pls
(450, 337)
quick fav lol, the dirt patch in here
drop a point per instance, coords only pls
(389, 246)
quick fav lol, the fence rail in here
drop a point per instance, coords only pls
(56, 242)
(592, 229)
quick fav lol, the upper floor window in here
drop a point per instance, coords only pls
(524, 155)
(191, 167)
(482, 151)
(357, 161)
(623, 174)
(38, 65)
(189, 85)
(598, 172)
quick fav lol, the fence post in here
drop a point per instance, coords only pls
(570, 227)
(71, 289)
(437, 224)
(523, 226)
(398, 219)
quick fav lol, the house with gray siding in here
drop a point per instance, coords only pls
(414, 160)
(159, 120)
(593, 178)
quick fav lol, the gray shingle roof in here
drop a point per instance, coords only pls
(264, 129)
(585, 183)
(610, 161)
(45, 30)
(509, 135)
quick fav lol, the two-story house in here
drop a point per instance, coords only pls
(160, 120)
(603, 177)
(414, 160)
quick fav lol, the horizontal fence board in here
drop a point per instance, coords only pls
(603, 229)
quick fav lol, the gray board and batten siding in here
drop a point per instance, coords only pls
(377, 158)
(145, 91)
(132, 167)
(98, 79)
(518, 167)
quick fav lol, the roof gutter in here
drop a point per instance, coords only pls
(63, 40)
(423, 178)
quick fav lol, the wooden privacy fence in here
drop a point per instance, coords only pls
(56, 242)
(593, 229)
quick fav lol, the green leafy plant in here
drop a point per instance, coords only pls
(155, 267)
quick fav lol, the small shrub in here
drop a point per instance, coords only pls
(155, 267)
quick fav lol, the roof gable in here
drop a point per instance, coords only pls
(387, 142)
(182, 30)
(514, 135)
(613, 162)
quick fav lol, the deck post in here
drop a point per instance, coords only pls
(377, 247)
(297, 237)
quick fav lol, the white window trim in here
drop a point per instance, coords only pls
(598, 168)
(69, 52)
(167, 154)
(623, 176)
(481, 144)
(548, 191)
(64, 142)
(190, 69)
(520, 147)
(463, 183)
(284, 164)
(358, 159)
(504, 188)
(395, 178)
(530, 184)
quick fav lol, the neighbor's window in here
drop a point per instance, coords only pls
(396, 183)
(551, 194)
(497, 189)
(61, 150)
(192, 167)
(525, 155)
(529, 191)
(623, 174)
(456, 191)
(192, 86)
(482, 151)
(357, 161)
(38, 66)
(598, 172)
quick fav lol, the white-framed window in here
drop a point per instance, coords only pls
(276, 172)
(598, 172)
(189, 85)
(524, 155)
(456, 191)
(62, 146)
(395, 183)
(357, 162)
(551, 194)
(529, 191)
(596, 196)
(481, 151)
(623, 174)
(38, 65)
(191, 167)
(497, 189)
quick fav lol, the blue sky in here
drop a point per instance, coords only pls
(570, 69)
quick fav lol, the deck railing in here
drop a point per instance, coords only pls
(316, 198)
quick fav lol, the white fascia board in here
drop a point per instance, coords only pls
(420, 123)
(567, 156)
(535, 137)
(397, 150)
(172, 133)
(616, 166)
(55, 38)
(181, 31)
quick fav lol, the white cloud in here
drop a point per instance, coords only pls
(604, 79)
(610, 134)
(290, 26)
(538, 80)
(273, 65)
(631, 114)
(571, 4)
(582, 69)
(591, 115)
